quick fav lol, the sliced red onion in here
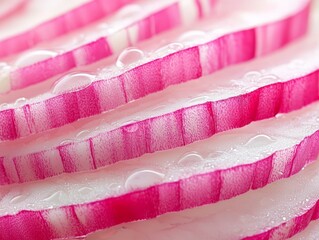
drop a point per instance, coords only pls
(205, 172)
(191, 112)
(310, 233)
(52, 109)
(10, 7)
(48, 20)
(275, 212)
(108, 36)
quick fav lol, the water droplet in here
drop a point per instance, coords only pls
(143, 179)
(55, 197)
(198, 100)
(259, 141)
(85, 190)
(20, 102)
(129, 11)
(193, 36)
(30, 205)
(253, 76)
(284, 218)
(105, 27)
(129, 56)
(278, 115)
(66, 142)
(34, 57)
(4, 106)
(115, 188)
(170, 48)
(18, 198)
(72, 82)
(209, 165)
(85, 134)
(191, 158)
(131, 127)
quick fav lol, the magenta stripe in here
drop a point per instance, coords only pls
(167, 197)
(67, 22)
(161, 73)
(179, 128)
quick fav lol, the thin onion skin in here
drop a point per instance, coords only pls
(152, 77)
(186, 193)
(94, 51)
(162, 132)
(72, 20)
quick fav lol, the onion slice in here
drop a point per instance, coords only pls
(181, 115)
(310, 233)
(276, 212)
(48, 20)
(107, 93)
(205, 172)
(10, 7)
(100, 40)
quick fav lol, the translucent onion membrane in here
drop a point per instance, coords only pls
(204, 172)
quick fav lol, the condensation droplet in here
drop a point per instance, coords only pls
(66, 141)
(55, 197)
(115, 188)
(85, 190)
(85, 134)
(72, 82)
(259, 141)
(129, 56)
(209, 165)
(269, 77)
(4, 106)
(253, 76)
(191, 158)
(34, 57)
(198, 100)
(170, 48)
(284, 218)
(158, 108)
(18, 199)
(143, 179)
(20, 102)
(193, 36)
(131, 127)
(129, 11)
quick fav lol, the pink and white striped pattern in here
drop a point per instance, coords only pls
(94, 51)
(162, 132)
(107, 94)
(148, 203)
(53, 28)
